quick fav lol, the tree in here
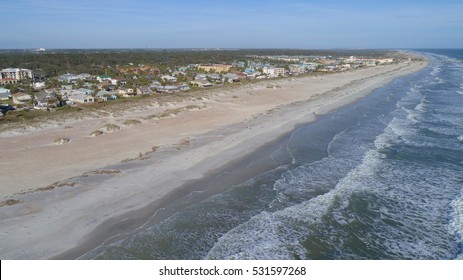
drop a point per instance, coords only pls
(182, 78)
(80, 83)
(14, 88)
(94, 88)
(162, 82)
(143, 81)
(129, 83)
(53, 83)
(61, 102)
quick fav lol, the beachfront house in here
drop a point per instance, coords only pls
(183, 87)
(218, 68)
(43, 99)
(230, 77)
(369, 63)
(178, 73)
(250, 71)
(310, 66)
(70, 78)
(4, 94)
(81, 98)
(144, 91)
(201, 83)
(214, 77)
(297, 69)
(274, 71)
(84, 91)
(103, 78)
(48, 98)
(382, 61)
(39, 85)
(126, 92)
(210, 77)
(21, 98)
(201, 77)
(67, 78)
(84, 76)
(168, 78)
(105, 95)
(169, 89)
(119, 81)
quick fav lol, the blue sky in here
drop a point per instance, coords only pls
(231, 24)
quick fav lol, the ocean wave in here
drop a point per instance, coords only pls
(457, 221)
(439, 80)
(436, 70)
(370, 200)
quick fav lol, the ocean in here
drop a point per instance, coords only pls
(378, 179)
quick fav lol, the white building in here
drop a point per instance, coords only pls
(39, 85)
(67, 78)
(169, 89)
(84, 76)
(382, 61)
(118, 81)
(103, 78)
(201, 83)
(85, 91)
(273, 71)
(230, 78)
(168, 78)
(4, 93)
(296, 69)
(72, 77)
(16, 73)
(81, 98)
(369, 63)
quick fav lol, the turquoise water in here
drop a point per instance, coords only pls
(380, 179)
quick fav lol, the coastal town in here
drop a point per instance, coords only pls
(23, 89)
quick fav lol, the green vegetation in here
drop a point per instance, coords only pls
(97, 62)
(96, 133)
(111, 128)
(131, 122)
(10, 202)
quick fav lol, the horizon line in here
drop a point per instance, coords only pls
(230, 49)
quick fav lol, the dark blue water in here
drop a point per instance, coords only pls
(380, 179)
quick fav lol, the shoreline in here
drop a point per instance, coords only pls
(96, 201)
(231, 173)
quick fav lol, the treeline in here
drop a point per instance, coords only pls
(57, 62)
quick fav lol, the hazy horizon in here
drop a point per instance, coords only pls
(180, 24)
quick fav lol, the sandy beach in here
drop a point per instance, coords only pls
(66, 179)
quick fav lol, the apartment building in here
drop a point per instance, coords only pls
(218, 68)
(16, 73)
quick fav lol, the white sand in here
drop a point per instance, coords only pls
(49, 222)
